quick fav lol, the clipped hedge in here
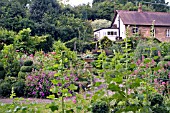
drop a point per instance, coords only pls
(100, 107)
(26, 69)
(5, 89)
(19, 87)
(28, 63)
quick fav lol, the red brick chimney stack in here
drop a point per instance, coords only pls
(140, 8)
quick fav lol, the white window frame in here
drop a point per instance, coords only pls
(112, 33)
(168, 33)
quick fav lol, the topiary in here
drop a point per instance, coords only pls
(26, 69)
(28, 63)
(156, 99)
(19, 87)
(5, 89)
(21, 75)
(100, 107)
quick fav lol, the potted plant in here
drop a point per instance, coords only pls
(88, 58)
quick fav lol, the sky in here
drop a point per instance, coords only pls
(77, 2)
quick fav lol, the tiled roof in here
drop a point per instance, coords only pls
(144, 18)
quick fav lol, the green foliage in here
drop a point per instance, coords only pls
(19, 87)
(69, 27)
(147, 49)
(9, 59)
(100, 23)
(79, 45)
(26, 43)
(100, 107)
(22, 75)
(5, 89)
(26, 69)
(2, 71)
(2, 74)
(7, 37)
(156, 99)
(28, 63)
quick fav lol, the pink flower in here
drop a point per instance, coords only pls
(17, 50)
(53, 53)
(159, 53)
(143, 58)
(31, 55)
(74, 101)
(135, 72)
(163, 83)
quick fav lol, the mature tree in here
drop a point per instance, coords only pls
(11, 13)
(44, 8)
(103, 10)
(100, 23)
(69, 27)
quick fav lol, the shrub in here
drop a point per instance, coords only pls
(2, 74)
(10, 80)
(21, 75)
(5, 89)
(156, 99)
(26, 68)
(167, 58)
(38, 83)
(2, 71)
(1, 66)
(19, 87)
(28, 63)
(100, 107)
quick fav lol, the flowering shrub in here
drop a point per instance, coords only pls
(38, 83)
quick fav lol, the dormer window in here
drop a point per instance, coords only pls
(135, 30)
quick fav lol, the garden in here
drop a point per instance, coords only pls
(131, 75)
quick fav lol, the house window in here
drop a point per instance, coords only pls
(168, 33)
(111, 33)
(135, 30)
(153, 32)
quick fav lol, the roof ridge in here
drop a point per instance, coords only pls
(143, 11)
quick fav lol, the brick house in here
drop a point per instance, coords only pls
(141, 23)
(138, 23)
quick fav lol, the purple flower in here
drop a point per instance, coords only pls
(76, 79)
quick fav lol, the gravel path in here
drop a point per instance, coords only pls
(26, 100)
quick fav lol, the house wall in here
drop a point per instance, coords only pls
(104, 32)
(122, 26)
(144, 31)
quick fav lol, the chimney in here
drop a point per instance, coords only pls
(140, 8)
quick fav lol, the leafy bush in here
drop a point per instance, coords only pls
(26, 68)
(38, 83)
(10, 80)
(28, 63)
(100, 107)
(5, 89)
(21, 75)
(2, 71)
(19, 87)
(2, 74)
(156, 99)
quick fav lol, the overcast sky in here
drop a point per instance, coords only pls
(77, 2)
